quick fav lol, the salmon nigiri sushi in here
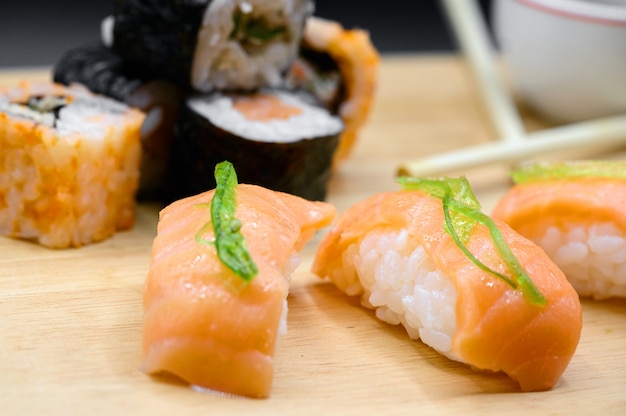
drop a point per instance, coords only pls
(468, 286)
(215, 295)
(576, 211)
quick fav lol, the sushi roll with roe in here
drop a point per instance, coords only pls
(104, 72)
(69, 165)
(210, 45)
(278, 139)
(576, 211)
(467, 285)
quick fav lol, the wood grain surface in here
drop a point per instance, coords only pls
(72, 319)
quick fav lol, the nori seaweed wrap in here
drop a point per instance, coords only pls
(276, 139)
(211, 44)
(104, 72)
(97, 68)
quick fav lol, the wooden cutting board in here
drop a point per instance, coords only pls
(72, 319)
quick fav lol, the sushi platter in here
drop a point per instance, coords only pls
(70, 340)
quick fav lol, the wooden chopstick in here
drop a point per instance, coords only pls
(513, 144)
(590, 137)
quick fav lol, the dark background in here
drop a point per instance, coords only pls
(37, 32)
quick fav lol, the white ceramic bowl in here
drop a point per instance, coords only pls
(566, 58)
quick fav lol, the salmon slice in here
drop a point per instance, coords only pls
(580, 223)
(574, 198)
(201, 323)
(264, 107)
(470, 315)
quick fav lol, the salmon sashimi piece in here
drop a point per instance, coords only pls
(580, 223)
(201, 323)
(393, 251)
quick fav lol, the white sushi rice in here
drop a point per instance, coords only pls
(101, 113)
(593, 257)
(398, 279)
(106, 30)
(18, 110)
(290, 267)
(84, 113)
(312, 122)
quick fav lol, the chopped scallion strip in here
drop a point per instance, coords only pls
(229, 242)
(572, 169)
(253, 30)
(462, 212)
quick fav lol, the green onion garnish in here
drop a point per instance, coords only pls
(229, 242)
(572, 169)
(462, 211)
(253, 30)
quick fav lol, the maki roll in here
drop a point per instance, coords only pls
(274, 138)
(104, 72)
(339, 67)
(69, 166)
(211, 44)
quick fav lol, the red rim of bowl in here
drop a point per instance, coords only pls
(587, 11)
